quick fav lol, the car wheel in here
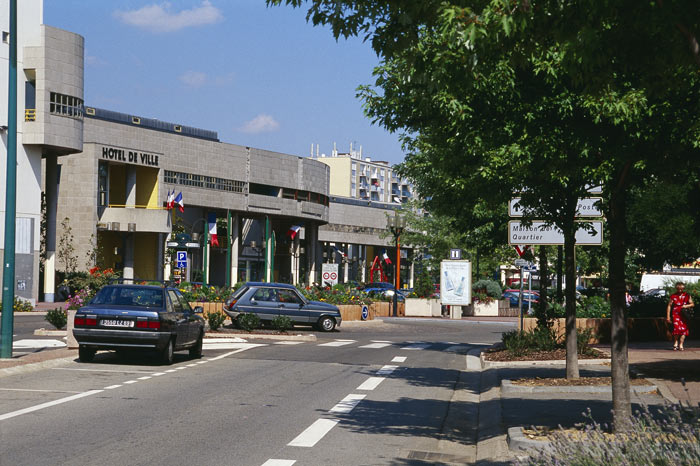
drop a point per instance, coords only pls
(166, 356)
(196, 350)
(86, 354)
(326, 324)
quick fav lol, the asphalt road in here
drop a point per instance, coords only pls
(369, 394)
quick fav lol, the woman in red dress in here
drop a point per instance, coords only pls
(679, 300)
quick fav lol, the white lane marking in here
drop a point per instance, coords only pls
(224, 340)
(371, 383)
(112, 387)
(171, 370)
(375, 345)
(202, 362)
(399, 359)
(48, 404)
(338, 343)
(347, 404)
(35, 343)
(216, 344)
(250, 346)
(191, 365)
(145, 377)
(99, 370)
(416, 346)
(288, 343)
(158, 374)
(381, 341)
(386, 370)
(180, 368)
(33, 390)
(128, 382)
(279, 462)
(313, 433)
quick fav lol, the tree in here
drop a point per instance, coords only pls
(65, 253)
(537, 88)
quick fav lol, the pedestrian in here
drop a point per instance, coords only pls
(679, 300)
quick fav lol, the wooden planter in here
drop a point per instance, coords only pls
(353, 312)
(209, 307)
(638, 329)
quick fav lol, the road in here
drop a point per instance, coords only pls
(369, 394)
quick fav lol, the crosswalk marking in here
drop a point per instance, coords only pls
(416, 346)
(338, 343)
(376, 345)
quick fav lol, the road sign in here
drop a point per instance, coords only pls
(329, 274)
(539, 233)
(587, 207)
(521, 251)
(455, 254)
(521, 263)
(365, 312)
(181, 259)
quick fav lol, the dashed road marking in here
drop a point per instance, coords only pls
(386, 370)
(112, 387)
(313, 434)
(288, 343)
(338, 343)
(416, 346)
(371, 383)
(129, 382)
(376, 345)
(47, 404)
(279, 462)
(399, 359)
(347, 404)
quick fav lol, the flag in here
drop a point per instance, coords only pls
(213, 238)
(339, 251)
(293, 231)
(180, 203)
(386, 257)
(170, 201)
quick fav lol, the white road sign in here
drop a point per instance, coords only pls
(329, 274)
(586, 207)
(540, 233)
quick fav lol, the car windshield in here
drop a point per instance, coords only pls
(129, 296)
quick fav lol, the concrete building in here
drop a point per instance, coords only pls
(362, 178)
(49, 126)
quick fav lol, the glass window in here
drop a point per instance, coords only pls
(265, 294)
(288, 296)
(185, 305)
(177, 305)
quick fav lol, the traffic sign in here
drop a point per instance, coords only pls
(521, 251)
(455, 254)
(521, 263)
(181, 259)
(541, 233)
(586, 207)
(365, 312)
(329, 274)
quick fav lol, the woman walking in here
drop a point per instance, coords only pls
(679, 300)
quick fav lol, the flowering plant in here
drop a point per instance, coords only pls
(79, 299)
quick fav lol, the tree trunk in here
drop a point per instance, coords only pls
(572, 371)
(560, 273)
(622, 408)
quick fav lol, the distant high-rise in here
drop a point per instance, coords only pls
(363, 178)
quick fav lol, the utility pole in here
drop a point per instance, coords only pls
(8, 270)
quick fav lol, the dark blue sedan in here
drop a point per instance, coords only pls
(139, 317)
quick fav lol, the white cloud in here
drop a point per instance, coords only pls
(193, 78)
(160, 18)
(261, 124)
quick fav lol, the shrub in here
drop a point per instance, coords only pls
(57, 317)
(671, 435)
(282, 323)
(648, 306)
(215, 320)
(248, 321)
(517, 342)
(593, 307)
(79, 299)
(424, 287)
(583, 336)
(491, 288)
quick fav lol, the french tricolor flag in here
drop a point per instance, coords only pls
(386, 257)
(293, 231)
(180, 203)
(213, 237)
(170, 200)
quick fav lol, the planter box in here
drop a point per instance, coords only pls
(423, 307)
(209, 307)
(638, 329)
(481, 309)
(353, 312)
(383, 309)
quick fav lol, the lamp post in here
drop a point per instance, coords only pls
(195, 237)
(396, 224)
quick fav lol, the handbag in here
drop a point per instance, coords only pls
(687, 313)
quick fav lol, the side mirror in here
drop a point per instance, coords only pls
(198, 310)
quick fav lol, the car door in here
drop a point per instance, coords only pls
(180, 321)
(264, 303)
(291, 305)
(193, 321)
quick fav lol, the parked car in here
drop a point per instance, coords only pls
(383, 290)
(269, 300)
(139, 317)
(513, 297)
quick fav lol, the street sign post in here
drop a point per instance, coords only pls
(329, 274)
(540, 233)
(181, 259)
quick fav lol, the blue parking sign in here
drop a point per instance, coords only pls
(182, 259)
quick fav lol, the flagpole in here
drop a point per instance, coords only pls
(205, 265)
(228, 248)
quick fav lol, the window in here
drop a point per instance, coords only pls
(65, 105)
(177, 305)
(102, 184)
(288, 296)
(265, 294)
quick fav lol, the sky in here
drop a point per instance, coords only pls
(258, 76)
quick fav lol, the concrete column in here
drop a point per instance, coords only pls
(247, 271)
(130, 186)
(412, 273)
(346, 267)
(167, 266)
(160, 257)
(269, 272)
(294, 250)
(363, 263)
(128, 255)
(235, 242)
(51, 190)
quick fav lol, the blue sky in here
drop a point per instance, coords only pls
(260, 77)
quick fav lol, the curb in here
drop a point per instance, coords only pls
(508, 388)
(23, 368)
(263, 336)
(42, 332)
(518, 442)
(495, 364)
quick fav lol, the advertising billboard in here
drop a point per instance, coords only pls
(456, 282)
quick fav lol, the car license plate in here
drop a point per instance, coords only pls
(117, 323)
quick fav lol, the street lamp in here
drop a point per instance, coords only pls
(195, 238)
(396, 225)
